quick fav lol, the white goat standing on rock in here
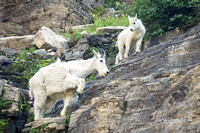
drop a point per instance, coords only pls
(62, 80)
(135, 32)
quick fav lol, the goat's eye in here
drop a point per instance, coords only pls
(133, 22)
(101, 60)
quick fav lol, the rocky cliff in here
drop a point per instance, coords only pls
(157, 90)
(21, 17)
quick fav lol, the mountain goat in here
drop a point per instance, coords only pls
(62, 80)
(135, 32)
(83, 68)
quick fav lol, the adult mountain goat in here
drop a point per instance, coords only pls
(62, 81)
(135, 32)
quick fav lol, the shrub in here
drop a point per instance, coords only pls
(74, 36)
(23, 105)
(4, 103)
(110, 3)
(160, 16)
(3, 124)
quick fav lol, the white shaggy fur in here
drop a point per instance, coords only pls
(62, 80)
(135, 32)
(83, 68)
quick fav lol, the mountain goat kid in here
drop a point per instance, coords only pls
(135, 32)
(62, 80)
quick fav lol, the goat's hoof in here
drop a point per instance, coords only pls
(79, 92)
(125, 56)
(62, 115)
(135, 53)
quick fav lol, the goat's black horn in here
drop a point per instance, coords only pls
(104, 53)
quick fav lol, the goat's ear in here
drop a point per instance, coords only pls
(58, 59)
(95, 53)
(129, 18)
(136, 16)
(104, 54)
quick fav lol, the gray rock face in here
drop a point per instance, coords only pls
(8, 51)
(13, 112)
(11, 94)
(160, 39)
(28, 16)
(17, 42)
(11, 29)
(41, 52)
(157, 90)
(77, 51)
(4, 60)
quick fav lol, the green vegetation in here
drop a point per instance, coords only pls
(112, 51)
(23, 105)
(35, 130)
(24, 52)
(160, 16)
(67, 120)
(91, 77)
(110, 3)
(30, 118)
(108, 21)
(74, 36)
(4, 103)
(99, 22)
(39, 129)
(3, 124)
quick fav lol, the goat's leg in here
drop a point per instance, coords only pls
(128, 45)
(117, 59)
(72, 81)
(70, 98)
(37, 113)
(121, 49)
(49, 104)
(139, 45)
(81, 85)
(39, 102)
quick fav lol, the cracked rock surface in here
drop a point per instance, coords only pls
(157, 90)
